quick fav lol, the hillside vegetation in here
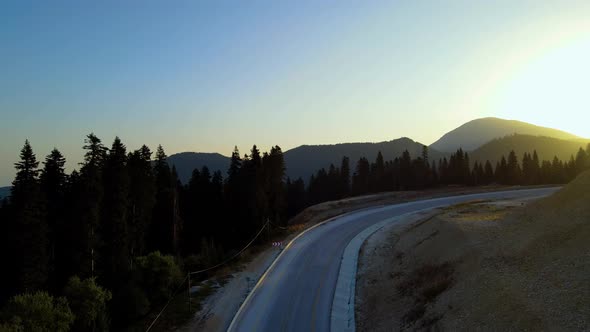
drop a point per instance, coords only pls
(547, 147)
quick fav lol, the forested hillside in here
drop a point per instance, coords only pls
(546, 147)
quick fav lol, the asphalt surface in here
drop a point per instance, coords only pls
(297, 291)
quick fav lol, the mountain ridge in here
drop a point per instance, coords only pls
(473, 134)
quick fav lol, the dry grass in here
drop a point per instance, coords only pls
(424, 285)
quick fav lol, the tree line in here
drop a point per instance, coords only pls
(121, 231)
(407, 173)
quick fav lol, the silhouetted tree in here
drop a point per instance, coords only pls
(163, 229)
(88, 197)
(405, 171)
(345, 177)
(142, 197)
(274, 167)
(360, 179)
(235, 196)
(582, 161)
(29, 231)
(376, 179)
(114, 228)
(53, 185)
(488, 173)
(513, 171)
(501, 172)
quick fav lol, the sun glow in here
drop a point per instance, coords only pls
(555, 82)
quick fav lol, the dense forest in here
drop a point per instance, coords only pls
(101, 247)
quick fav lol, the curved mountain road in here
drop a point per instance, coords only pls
(296, 292)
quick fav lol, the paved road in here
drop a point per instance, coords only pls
(296, 294)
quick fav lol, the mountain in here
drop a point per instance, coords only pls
(476, 133)
(4, 192)
(305, 160)
(547, 148)
(186, 162)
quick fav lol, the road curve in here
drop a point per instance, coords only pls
(297, 291)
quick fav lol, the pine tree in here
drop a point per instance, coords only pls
(193, 210)
(513, 175)
(536, 168)
(217, 207)
(501, 173)
(405, 172)
(466, 170)
(88, 197)
(379, 173)
(142, 197)
(425, 154)
(29, 231)
(444, 172)
(53, 186)
(162, 231)
(235, 197)
(255, 195)
(489, 173)
(360, 179)
(582, 161)
(275, 169)
(345, 177)
(177, 222)
(114, 227)
(478, 174)
(557, 171)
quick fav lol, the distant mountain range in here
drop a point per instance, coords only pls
(546, 147)
(476, 133)
(487, 138)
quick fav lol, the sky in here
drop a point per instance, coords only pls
(204, 76)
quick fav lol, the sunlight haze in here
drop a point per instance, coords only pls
(206, 76)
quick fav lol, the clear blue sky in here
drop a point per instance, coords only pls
(208, 75)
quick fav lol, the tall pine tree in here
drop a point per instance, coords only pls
(53, 185)
(29, 227)
(114, 227)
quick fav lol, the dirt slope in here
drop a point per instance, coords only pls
(492, 266)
